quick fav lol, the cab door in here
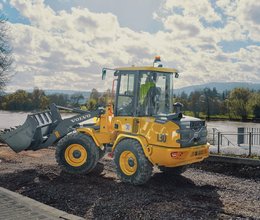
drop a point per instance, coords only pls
(126, 96)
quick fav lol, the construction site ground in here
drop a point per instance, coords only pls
(205, 191)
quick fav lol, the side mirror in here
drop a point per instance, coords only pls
(176, 75)
(116, 73)
(104, 73)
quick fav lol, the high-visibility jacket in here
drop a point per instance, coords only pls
(144, 90)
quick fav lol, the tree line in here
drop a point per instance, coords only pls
(239, 103)
(22, 100)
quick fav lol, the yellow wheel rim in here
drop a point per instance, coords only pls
(128, 163)
(75, 155)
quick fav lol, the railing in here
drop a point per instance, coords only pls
(246, 139)
(249, 139)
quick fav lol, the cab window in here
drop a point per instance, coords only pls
(125, 102)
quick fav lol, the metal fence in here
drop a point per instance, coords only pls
(244, 138)
(252, 137)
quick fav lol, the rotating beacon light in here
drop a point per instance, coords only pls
(157, 62)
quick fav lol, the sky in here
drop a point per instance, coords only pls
(63, 44)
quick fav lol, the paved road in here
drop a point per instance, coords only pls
(14, 206)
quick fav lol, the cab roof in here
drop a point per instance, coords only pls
(148, 68)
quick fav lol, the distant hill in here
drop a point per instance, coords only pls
(219, 86)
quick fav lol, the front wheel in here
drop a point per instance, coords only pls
(77, 153)
(132, 166)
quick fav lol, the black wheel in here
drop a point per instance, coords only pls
(132, 166)
(174, 171)
(77, 153)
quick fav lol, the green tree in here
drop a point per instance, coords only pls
(76, 98)
(254, 103)
(105, 99)
(194, 102)
(93, 101)
(183, 98)
(239, 102)
(91, 104)
(37, 96)
(19, 101)
(59, 99)
(212, 103)
(44, 102)
(94, 95)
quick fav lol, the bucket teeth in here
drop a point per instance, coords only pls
(6, 130)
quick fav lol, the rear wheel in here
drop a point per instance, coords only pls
(132, 166)
(77, 153)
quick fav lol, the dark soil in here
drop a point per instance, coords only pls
(204, 191)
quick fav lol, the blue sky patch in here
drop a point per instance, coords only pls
(234, 46)
(13, 15)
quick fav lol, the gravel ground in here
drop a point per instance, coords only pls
(204, 191)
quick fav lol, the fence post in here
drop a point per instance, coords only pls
(240, 136)
(250, 143)
(214, 131)
(218, 142)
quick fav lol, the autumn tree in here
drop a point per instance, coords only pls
(5, 52)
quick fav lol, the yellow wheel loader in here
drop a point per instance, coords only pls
(140, 128)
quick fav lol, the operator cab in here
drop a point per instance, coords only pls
(144, 91)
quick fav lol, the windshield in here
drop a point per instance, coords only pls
(155, 93)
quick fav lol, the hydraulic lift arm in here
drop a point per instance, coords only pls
(46, 128)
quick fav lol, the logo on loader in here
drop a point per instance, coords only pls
(81, 118)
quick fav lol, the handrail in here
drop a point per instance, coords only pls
(223, 135)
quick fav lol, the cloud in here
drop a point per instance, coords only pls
(67, 49)
(244, 13)
(179, 25)
(248, 15)
(198, 9)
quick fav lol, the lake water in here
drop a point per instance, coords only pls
(11, 119)
(230, 126)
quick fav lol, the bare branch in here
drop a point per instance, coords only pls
(5, 52)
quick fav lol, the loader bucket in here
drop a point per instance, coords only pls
(29, 135)
(43, 129)
(20, 138)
